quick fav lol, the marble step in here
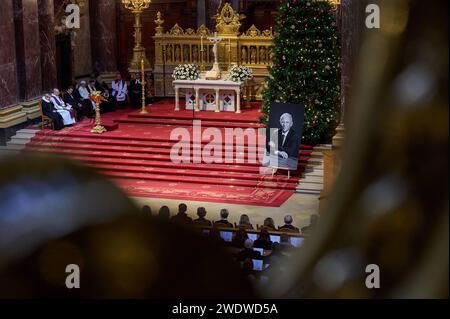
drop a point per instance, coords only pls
(309, 188)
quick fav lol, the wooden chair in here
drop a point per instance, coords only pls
(45, 120)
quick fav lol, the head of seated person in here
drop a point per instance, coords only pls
(239, 237)
(223, 222)
(201, 213)
(269, 223)
(164, 212)
(244, 221)
(147, 210)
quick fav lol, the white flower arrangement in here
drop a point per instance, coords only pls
(240, 73)
(186, 72)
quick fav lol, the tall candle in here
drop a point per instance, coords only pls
(201, 43)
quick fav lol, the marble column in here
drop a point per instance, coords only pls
(201, 13)
(104, 35)
(350, 20)
(28, 49)
(8, 78)
(47, 44)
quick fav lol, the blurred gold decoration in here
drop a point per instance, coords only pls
(97, 98)
(159, 22)
(137, 7)
(228, 21)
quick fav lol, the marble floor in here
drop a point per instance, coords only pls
(300, 206)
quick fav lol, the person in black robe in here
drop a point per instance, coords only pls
(136, 91)
(76, 103)
(48, 109)
(102, 86)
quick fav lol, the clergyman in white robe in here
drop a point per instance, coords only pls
(62, 109)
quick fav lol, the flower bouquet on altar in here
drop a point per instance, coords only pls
(186, 72)
(240, 73)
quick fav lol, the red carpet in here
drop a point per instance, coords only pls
(136, 156)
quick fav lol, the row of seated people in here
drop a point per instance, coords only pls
(70, 107)
(255, 250)
(244, 220)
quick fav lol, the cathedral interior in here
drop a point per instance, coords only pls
(382, 192)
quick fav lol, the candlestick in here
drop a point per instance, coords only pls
(143, 110)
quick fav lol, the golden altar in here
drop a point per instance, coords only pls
(178, 46)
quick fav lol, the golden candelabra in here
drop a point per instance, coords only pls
(144, 109)
(137, 7)
(97, 98)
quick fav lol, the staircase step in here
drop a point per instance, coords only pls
(178, 123)
(201, 181)
(191, 173)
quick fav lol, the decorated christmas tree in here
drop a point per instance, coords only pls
(306, 67)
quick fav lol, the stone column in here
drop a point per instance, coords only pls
(8, 83)
(104, 35)
(28, 49)
(350, 19)
(47, 44)
(201, 12)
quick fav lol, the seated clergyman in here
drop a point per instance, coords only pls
(49, 110)
(62, 108)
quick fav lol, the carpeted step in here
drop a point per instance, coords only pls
(117, 152)
(202, 181)
(222, 168)
(180, 123)
(192, 173)
(131, 146)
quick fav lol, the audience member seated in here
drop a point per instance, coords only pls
(147, 210)
(269, 224)
(49, 110)
(288, 227)
(312, 224)
(263, 240)
(164, 212)
(71, 99)
(244, 222)
(214, 234)
(201, 220)
(247, 269)
(66, 111)
(109, 105)
(285, 242)
(239, 238)
(87, 102)
(182, 217)
(248, 252)
(223, 222)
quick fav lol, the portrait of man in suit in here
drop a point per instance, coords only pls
(284, 142)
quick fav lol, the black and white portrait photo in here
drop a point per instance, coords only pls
(283, 136)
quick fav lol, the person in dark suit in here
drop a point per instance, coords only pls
(182, 217)
(48, 109)
(136, 91)
(71, 98)
(288, 225)
(223, 222)
(201, 220)
(284, 142)
(263, 240)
